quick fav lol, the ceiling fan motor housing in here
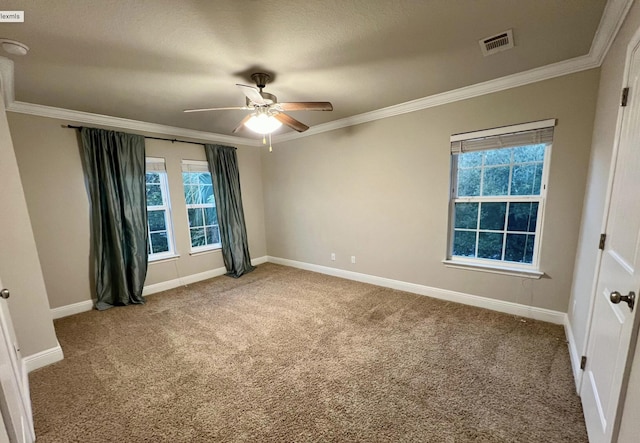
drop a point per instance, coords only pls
(261, 79)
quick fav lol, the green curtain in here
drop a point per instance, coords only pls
(223, 165)
(115, 173)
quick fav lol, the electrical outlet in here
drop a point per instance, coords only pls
(353, 259)
(333, 256)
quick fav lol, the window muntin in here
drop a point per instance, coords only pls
(159, 230)
(497, 200)
(204, 231)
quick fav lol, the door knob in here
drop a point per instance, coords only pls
(630, 298)
(5, 293)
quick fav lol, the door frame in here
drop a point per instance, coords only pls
(634, 43)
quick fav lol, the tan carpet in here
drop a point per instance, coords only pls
(284, 355)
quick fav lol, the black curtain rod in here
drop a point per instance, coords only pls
(172, 140)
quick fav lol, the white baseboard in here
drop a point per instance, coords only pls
(573, 353)
(182, 281)
(75, 308)
(259, 260)
(189, 279)
(87, 305)
(42, 358)
(520, 310)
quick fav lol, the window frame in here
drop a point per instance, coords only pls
(199, 166)
(155, 165)
(491, 265)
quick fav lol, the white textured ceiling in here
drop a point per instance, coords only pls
(148, 60)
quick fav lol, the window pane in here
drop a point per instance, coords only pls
(186, 178)
(492, 216)
(523, 217)
(532, 153)
(210, 216)
(519, 248)
(469, 159)
(203, 178)
(159, 242)
(464, 243)
(466, 215)
(207, 194)
(537, 180)
(490, 245)
(197, 237)
(468, 182)
(523, 180)
(195, 217)
(498, 157)
(154, 195)
(496, 181)
(213, 235)
(153, 177)
(156, 221)
(190, 194)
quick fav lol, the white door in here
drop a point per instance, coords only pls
(614, 322)
(14, 401)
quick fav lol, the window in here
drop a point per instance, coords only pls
(201, 206)
(498, 195)
(158, 211)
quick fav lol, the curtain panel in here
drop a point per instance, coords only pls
(115, 175)
(223, 165)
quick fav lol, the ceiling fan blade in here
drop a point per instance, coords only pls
(216, 109)
(252, 94)
(306, 106)
(242, 122)
(291, 122)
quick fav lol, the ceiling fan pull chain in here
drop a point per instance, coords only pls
(264, 139)
(270, 148)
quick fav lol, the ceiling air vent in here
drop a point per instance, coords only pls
(497, 43)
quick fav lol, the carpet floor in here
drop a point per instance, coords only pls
(285, 355)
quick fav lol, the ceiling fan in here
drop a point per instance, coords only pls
(268, 115)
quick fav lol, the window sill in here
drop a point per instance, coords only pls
(164, 258)
(205, 251)
(505, 270)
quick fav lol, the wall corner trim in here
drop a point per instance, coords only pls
(42, 358)
(506, 307)
(573, 353)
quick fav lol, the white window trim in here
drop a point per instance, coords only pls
(494, 269)
(532, 270)
(198, 166)
(157, 165)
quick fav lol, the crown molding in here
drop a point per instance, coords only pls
(615, 11)
(500, 84)
(123, 123)
(612, 18)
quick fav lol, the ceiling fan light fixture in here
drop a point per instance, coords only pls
(263, 123)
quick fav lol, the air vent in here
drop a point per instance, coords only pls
(497, 43)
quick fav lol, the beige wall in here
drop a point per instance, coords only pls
(379, 191)
(20, 270)
(50, 164)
